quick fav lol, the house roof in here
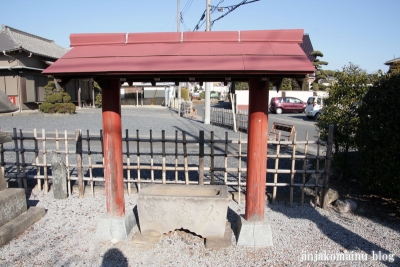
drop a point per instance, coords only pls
(172, 56)
(390, 62)
(307, 46)
(12, 40)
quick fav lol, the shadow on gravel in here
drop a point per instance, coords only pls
(114, 257)
(342, 236)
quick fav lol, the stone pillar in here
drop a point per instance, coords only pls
(112, 143)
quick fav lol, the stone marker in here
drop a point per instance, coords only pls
(347, 205)
(3, 183)
(59, 174)
(12, 204)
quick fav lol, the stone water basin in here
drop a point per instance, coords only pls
(201, 209)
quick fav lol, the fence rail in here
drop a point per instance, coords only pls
(163, 159)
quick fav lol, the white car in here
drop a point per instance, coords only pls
(314, 107)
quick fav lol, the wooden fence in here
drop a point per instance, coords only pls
(179, 159)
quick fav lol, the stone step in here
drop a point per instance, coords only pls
(19, 224)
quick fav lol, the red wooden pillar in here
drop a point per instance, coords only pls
(112, 143)
(257, 149)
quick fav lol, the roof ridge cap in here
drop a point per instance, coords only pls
(28, 34)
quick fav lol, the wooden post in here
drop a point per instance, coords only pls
(164, 172)
(185, 158)
(23, 161)
(128, 161)
(201, 158)
(257, 150)
(78, 139)
(212, 158)
(327, 167)
(151, 157)
(15, 137)
(66, 160)
(46, 178)
(113, 168)
(89, 153)
(138, 158)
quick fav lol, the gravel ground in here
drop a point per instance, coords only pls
(65, 235)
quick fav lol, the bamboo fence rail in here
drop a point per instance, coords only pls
(173, 159)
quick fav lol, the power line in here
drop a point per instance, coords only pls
(221, 9)
(232, 8)
(201, 22)
(186, 7)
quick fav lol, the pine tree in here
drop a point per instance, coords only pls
(319, 73)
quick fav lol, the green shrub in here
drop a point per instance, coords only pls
(315, 86)
(98, 100)
(54, 98)
(202, 95)
(185, 94)
(47, 107)
(66, 108)
(65, 97)
(378, 137)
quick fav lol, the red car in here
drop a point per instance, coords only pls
(286, 104)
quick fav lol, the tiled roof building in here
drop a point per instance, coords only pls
(14, 40)
(23, 57)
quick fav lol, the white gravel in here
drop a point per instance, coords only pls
(65, 237)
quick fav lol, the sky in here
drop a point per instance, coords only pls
(363, 32)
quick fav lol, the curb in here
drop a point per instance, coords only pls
(20, 224)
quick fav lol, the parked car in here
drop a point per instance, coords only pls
(286, 104)
(314, 107)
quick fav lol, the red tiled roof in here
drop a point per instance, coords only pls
(173, 55)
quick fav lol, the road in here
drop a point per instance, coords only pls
(299, 120)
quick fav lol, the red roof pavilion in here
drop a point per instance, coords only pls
(257, 57)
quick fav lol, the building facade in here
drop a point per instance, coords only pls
(23, 57)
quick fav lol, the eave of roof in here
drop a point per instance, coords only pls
(390, 62)
(170, 56)
(34, 44)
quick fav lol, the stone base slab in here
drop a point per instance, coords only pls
(221, 242)
(109, 228)
(253, 234)
(19, 224)
(148, 238)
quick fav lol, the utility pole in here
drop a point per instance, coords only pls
(207, 84)
(178, 16)
(178, 29)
